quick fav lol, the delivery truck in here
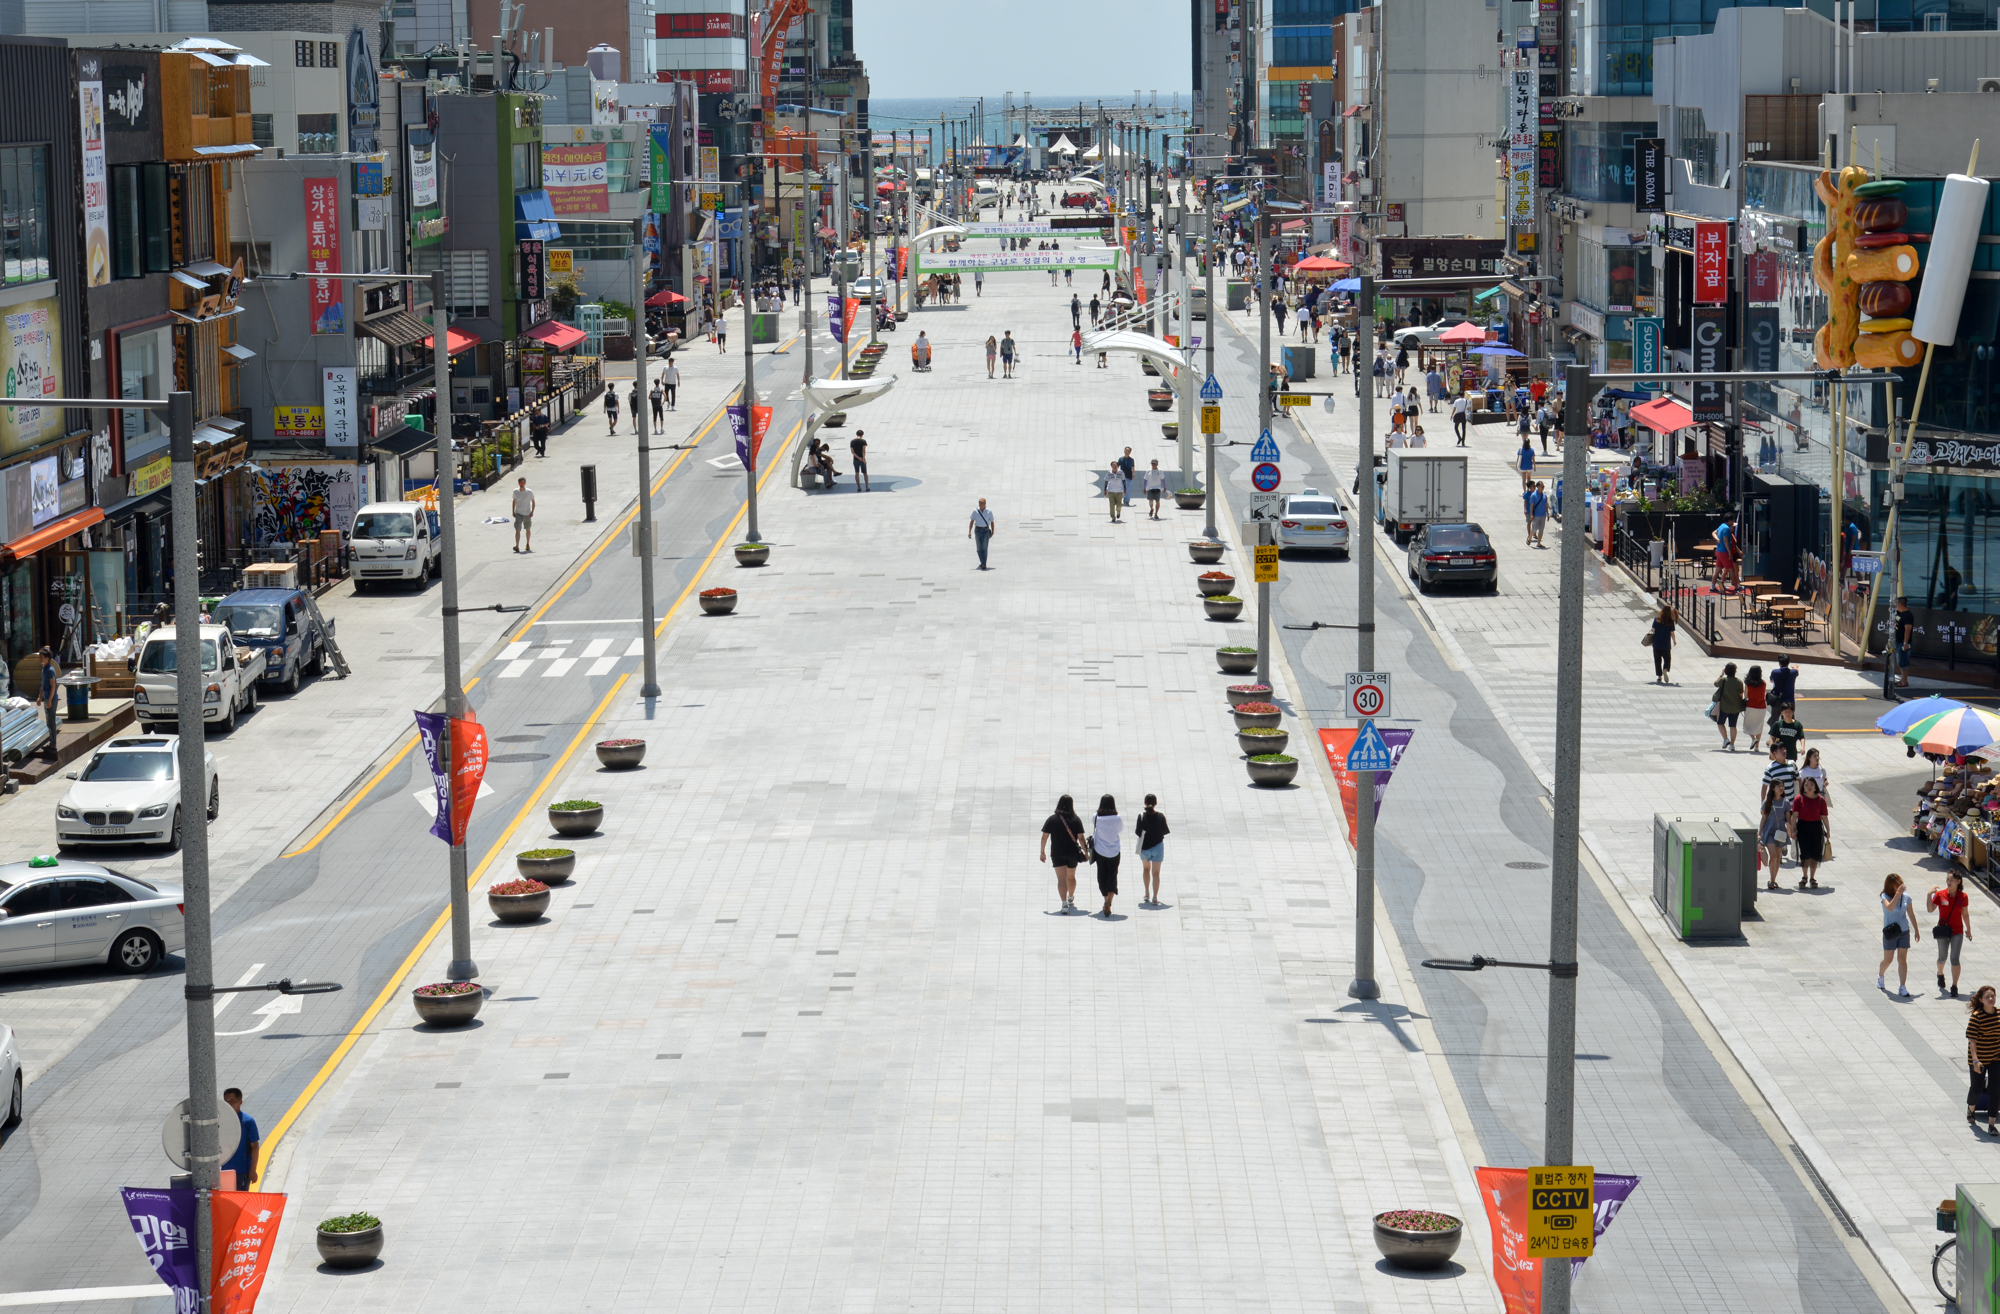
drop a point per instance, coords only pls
(1421, 487)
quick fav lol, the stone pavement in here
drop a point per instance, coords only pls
(806, 1032)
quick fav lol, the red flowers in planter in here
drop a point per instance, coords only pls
(1217, 574)
(519, 887)
(718, 593)
(1256, 709)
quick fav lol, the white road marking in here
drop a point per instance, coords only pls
(512, 651)
(222, 1001)
(75, 1295)
(560, 666)
(603, 665)
(551, 652)
(282, 1006)
(636, 648)
(597, 648)
(427, 799)
(515, 670)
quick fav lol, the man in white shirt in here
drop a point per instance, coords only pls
(980, 531)
(1155, 483)
(524, 515)
(671, 381)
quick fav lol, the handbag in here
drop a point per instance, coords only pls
(1826, 849)
(1710, 713)
(1890, 932)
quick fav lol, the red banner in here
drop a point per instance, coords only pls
(246, 1232)
(902, 262)
(848, 310)
(1337, 743)
(468, 757)
(1760, 276)
(328, 308)
(1711, 263)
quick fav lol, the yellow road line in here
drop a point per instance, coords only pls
(409, 962)
(694, 580)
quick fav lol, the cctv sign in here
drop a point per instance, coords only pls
(1561, 1205)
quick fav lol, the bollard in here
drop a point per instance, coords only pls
(589, 493)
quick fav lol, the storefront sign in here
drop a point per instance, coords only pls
(423, 175)
(660, 142)
(337, 390)
(577, 178)
(1548, 159)
(534, 274)
(1587, 319)
(1646, 359)
(1649, 184)
(298, 422)
(1955, 452)
(1760, 278)
(31, 353)
(1711, 337)
(710, 172)
(371, 176)
(326, 303)
(96, 187)
(1711, 263)
(44, 490)
(152, 477)
(561, 260)
(387, 416)
(1760, 338)
(1431, 257)
(1523, 120)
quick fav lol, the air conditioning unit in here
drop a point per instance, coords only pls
(1989, 84)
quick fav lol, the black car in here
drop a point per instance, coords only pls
(1442, 554)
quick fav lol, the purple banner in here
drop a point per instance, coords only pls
(834, 320)
(434, 726)
(739, 429)
(1610, 1191)
(164, 1221)
(1397, 739)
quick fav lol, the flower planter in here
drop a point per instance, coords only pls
(1160, 399)
(1239, 694)
(1264, 716)
(1187, 501)
(621, 754)
(752, 554)
(1272, 769)
(1216, 584)
(1265, 741)
(1205, 551)
(549, 866)
(1146, 366)
(1223, 608)
(356, 1249)
(1418, 1247)
(718, 602)
(1171, 431)
(452, 1010)
(518, 902)
(837, 420)
(576, 821)
(1234, 661)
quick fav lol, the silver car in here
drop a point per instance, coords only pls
(129, 792)
(1313, 520)
(57, 911)
(11, 1085)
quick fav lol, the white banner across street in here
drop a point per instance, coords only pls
(923, 263)
(1031, 228)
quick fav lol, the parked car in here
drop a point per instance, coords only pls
(11, 1085)
(279, 622)
(869, 289)
(57, 911)
(1453, 554)
(1079, 200)
(229, 673)
(1313, 520)
(129, 792)
(1197, 302)
(395, 541)
(1426, 335)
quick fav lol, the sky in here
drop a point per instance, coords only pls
(1053, 47)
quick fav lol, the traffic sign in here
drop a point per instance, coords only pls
(1264, 508)
(1265, 477)
(1265, 449)
(1295, 399)
(177, 1133)
(1266, 570)
(1369, 752)
(1561, 1212)
(1211, 391)
(1211, 419)
(1367, 693)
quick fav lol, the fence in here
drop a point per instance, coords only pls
(1680, 588)
(1633, 553)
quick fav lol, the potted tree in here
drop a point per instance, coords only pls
(1272, 769)
(1236, 661)
(1417, 1238)
(1268, 715)
(1239, 694)
(448, 1003)
(718, 602)
(621, 754)
(1214, 583)
(549, 866)
(1223, 607)
(1205, 551)
(752, 554)
(576, 816)
(349, 1241)
(1258, 740)
(518, 902)
(1190, 499)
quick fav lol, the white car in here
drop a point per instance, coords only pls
(56, 911)
(129, 792)
(1426, 335)
(869, 289)
(1313, 520)
(11, 1084)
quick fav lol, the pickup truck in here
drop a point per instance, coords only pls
(282, 625)
(229, 672)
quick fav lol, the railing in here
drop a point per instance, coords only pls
(1680, 588)
(1632, 553)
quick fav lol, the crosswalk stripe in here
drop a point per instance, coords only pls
(636, 648)
(560, 666)
(515, 670)
(603, 665)
(597, 648)
(512, 651)
(549, 653)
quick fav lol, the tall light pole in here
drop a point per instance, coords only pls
(1363, 985)
(647, 548)
(1263, 429)
(868, 199)
(462, 968)
(1208, 343)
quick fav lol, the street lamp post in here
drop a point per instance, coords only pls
(868, 200)
(1363, 985)
(1263, 306)
(647, 548)
(1208, 347)
(462, 968)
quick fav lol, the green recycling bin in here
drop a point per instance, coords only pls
(1698, 876)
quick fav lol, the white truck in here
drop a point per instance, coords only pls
(395, 542)
(1421, 487)
(229, 674)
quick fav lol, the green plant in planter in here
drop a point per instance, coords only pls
(350, 1223)
(753, 545)
(1190, 492)
(546, 853)
(574, 805)
(1274, 759)
(1251, 651)
(1265, 731)
(1223, 597)
(446, 989)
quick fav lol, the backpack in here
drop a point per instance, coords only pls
(1379, 371)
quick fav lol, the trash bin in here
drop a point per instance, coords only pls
(1698, 865)
(1978, 1242)
(76, 696)
(1299, 363)
(1239, 294)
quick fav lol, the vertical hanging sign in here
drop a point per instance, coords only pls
(1649, 182)
(1711, 264)
(1711, 336)
(1646, 332)
(96, 187)
(1523, 112)
(327, 306)
(337, 393)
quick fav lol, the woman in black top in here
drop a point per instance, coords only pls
(1151, 831)
(1660, 638)
(1063, 833)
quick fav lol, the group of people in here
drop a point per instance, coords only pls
(1068, 843)
(819, 456)
(1118, 487)
(1003, 349)
(664, 392)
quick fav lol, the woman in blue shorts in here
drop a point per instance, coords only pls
(1151, 831)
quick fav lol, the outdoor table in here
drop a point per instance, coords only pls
(1790, 619)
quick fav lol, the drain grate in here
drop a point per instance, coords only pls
(555, 1076)
(1819, 1184)
(1526, 866)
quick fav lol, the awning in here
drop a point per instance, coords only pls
(403, 442)
(535, 217)
(54, 532)
(454, 341)
(206, 269)
(559, 336)
(188, 280)
(397, 329)
(239, 352)
(1352, 110)
(245, 148)
(1664, 415)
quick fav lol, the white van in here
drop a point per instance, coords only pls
(395, 541)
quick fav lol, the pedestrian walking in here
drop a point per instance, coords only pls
(1525, 460)
(524, 515)
(1106, 836)
(1075, 312)
(1155, 483)
(244, 1162)
(46, 696)
(1114, 491)
(1754, 694)
(1522, 421)
(1982, 1055)
(1542, 421)
(1007, 354)
(1898, 929)
(1151, 830)
(981, 530)
(1809, 811)
(1660, 638)
(1727, 707)
(1460, 408)
(1402, 362)
(1905, 637)
(538, 432)
(1076, 344)
(857, 448)
(1062, 847)
(1774, 804)
(1538, 513)
(611, 407)
(992, 353)
(659, 400)
(1953, 908)
(721, 333)
(1434, 386)
(670, 382)
(979, 282)
(1786, 733)
(633, 402)
(1784, 683)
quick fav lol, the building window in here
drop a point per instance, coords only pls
(319, 134)
(329, 54)
(261, 131)
(127, 231)
(145, 368)
(194, 205)
(24, 198)
(1302, 47)
(527, 166)
(302, 54)
(1600, 159)
(467, 279)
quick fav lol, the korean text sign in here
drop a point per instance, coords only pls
(328, 306)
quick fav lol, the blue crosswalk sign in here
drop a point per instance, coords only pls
(1369, 752)
(1265, 449)
(1211, 390)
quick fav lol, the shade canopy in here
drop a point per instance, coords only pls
(558, 336)
(1963, 730)
(1319, 265)
(1663, 415)
(1347, 285)
(1494, 349)
(1139, 344)
(1062, 146)
(665, 297)
(1465, 334)
(1917, 709)
(454, 342)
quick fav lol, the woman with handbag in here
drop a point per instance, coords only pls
(1106, 829)
(1897, 931)
(1954, 926)
(1755, 693)
(1809, 817)
(1982, 1055)
(1728, 704)
(1062, 839)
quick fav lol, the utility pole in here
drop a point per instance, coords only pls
(1208, 345)
(805, 191)
(1363, 985)
(648, 640)
(455, 707)
(743, 278)
(868, 200)
(1263, 430)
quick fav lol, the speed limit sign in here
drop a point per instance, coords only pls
(1367, 693)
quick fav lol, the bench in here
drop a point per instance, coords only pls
(22, 731)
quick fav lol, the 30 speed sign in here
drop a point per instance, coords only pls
(1367, 693)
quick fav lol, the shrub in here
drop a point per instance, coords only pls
(1223, 597)
(1251, 651)
(1249, 688)
(618, 743)
(1217, 574)
(1417, 1220)
(447, 989)
(546, 853)
(1275, 759)
(1262, 731)
(350, 1223)
(1190, 492)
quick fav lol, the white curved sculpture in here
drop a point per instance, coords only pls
(1139, 344)
(825, 396)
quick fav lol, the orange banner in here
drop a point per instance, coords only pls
(1504, 1191)
(246, 1232)
(1337, 743)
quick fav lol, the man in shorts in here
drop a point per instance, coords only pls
(524, 515)
(858, 446)
(1155, 481)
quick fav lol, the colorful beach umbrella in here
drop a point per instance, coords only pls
(1914, 711)
(1964, 730)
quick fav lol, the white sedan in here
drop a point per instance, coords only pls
(129, 792)
(10, 1078)
(58, 911)
(1313, 520)
(1426, 335)
(869, 289)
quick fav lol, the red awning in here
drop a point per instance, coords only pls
(1663, 415)
(665, 297)
(54, 532)
(559, 336)
(454, 341)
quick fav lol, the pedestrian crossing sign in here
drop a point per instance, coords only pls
(1369, 753)
(1211, 391)
(1265, 449)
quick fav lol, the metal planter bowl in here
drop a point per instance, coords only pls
(1417, 1250)
(1261, 720)
(837, 420)
(622, 757)
(1171, 431)
(748, 554)
(1205, 552)
(1193, 502)
(1223, 609)
(349, 1249)
(549, 871)
(1272, 773)
(1146, 366)
(1216, 588)
(519, 909)
(1160, 401)
(580, 821)
(1236, 663)
(1255, 745)
(721, 606)
(1239, 694)
(448, 1010)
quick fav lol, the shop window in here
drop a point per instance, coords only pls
(145, 366)
(329, 54)
(156, 209)
(319, 134)
(24, 196)
(261, 131)
(194, 205)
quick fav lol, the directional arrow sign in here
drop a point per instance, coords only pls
(1265, 449)
(1369, 752)
(1211, 390)
(280, 1006)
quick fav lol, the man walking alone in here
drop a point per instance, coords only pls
(524, 515)
(980, 531)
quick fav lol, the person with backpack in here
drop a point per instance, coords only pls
(1381, 372)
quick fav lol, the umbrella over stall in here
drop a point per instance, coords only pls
(1962, 730)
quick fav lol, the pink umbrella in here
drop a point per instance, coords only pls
(1462, 335)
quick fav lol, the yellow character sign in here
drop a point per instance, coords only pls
(1266, 565)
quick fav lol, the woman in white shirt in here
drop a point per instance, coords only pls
(1106, 828)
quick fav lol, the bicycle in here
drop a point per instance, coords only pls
(1944, 1270)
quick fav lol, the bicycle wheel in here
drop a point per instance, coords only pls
(1944, 1270)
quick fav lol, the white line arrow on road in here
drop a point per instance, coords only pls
(282, 1006)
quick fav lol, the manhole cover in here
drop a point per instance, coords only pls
(1515, 866)
(518, 757)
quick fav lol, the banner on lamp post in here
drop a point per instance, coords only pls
(456, 782)
(1504, 1192)
(164, 1222)
(747, 450)
(1338, 742)
(245, 1230)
